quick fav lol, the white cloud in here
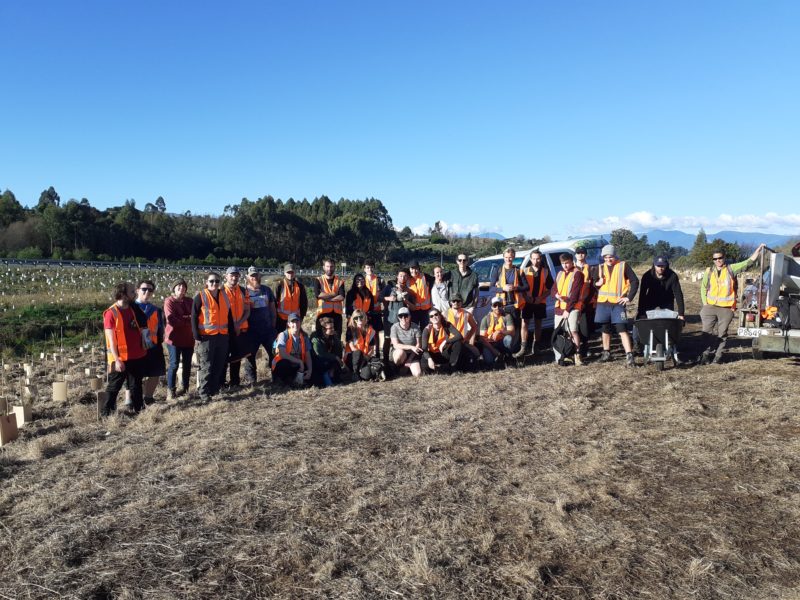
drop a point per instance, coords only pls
(641, 221)
(456, 228)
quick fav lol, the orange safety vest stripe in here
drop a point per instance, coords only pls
(721, 287)
(564, 283)
(459, 321)
(519, 299)
(496, 324)
(290, 348)
(238, 298)
(615, 284)
(290, 301)
(119, 336)
(363, 342)
(326, 306)
(436, 340)
(423, 293)
(213, 318)
(363, 304)
(530, 275)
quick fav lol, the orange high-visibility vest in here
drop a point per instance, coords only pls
(721, 287)
(564, 282)
(237, 299)
(326, 306)
(290, 300)
(372, 285)
(458, 320)
(542, 284)
(495, 324)
(519, 299)
(615, 284)
(119, 335)
(214, 316)
(290, 348)
(423, 293)
(436, 341)
(362, 304)
(363, 341)
(587, 288)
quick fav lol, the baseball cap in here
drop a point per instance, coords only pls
(661, 261)
(414, 265)
(608, 250)
(497, 300)
(252, 270)
(293, 317)
(403, 311)
(232, 270)
(456, 298)
(580, 250)
(288, 267)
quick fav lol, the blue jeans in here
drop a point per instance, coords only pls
(176, 355)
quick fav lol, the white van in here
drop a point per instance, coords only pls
(487, 268)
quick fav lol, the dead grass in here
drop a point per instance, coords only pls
(530, 483)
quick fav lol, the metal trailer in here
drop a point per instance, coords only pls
(779, 279)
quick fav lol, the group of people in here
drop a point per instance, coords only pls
(416, 323)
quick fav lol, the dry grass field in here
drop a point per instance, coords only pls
(540, 482)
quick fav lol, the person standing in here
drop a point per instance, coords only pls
(588, 300)
(567, 293)
(211, 322)
(464, 282)
(718, 290)
(420, 283)
(238, 338)
(539, 282)
(179, 339)
(440, 291)
(291, 298)
(154, 367)
(125, 351)
(616, 286)
(329, 292)
(262, 321)
(660, 288)
(359, 297)
(375, 285)
(511, 287)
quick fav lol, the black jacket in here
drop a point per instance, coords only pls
(660, 293)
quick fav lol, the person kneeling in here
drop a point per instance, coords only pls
(496, 334)
(326, 353)
(292, 362)
(406, 343)
(441, 344)
(362, 349)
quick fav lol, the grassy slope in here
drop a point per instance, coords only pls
(538, 482)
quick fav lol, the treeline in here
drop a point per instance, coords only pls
(637, 249)
(266, 231)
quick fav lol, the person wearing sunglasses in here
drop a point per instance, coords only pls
(463, 320)
(125, 351)
(718, 291)
(464, 282)
(211, 324)
(442, 344)
(154, 367)
(292, 364)
(406, 341)
(290, 296)
(362, 349)
(496, 335)
(396, 295)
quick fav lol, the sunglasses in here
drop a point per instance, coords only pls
(404, 316)
(434, 316)
(358, 318)
(213, 281)
(719, 258)
(146, 289)
(461, 260)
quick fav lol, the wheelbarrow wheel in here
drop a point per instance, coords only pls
(660, 357)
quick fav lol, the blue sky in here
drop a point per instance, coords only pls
(540, 118)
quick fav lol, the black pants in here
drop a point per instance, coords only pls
(450, 354)
(212, 354)
(132, 375)
(285, 371)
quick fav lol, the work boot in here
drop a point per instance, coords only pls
(718, 352)
(171, 394)
(705, 357)
(521, 352)
(630, 361)
(578, 360)
(605, 356)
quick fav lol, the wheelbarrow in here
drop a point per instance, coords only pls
(660, 338)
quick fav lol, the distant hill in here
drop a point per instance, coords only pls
(746, 238)
(490, 235)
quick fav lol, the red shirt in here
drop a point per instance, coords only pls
(133, 336)
(178, 314)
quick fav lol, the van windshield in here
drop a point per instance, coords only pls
(487, 267)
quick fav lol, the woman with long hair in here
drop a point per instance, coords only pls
(362, 348)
